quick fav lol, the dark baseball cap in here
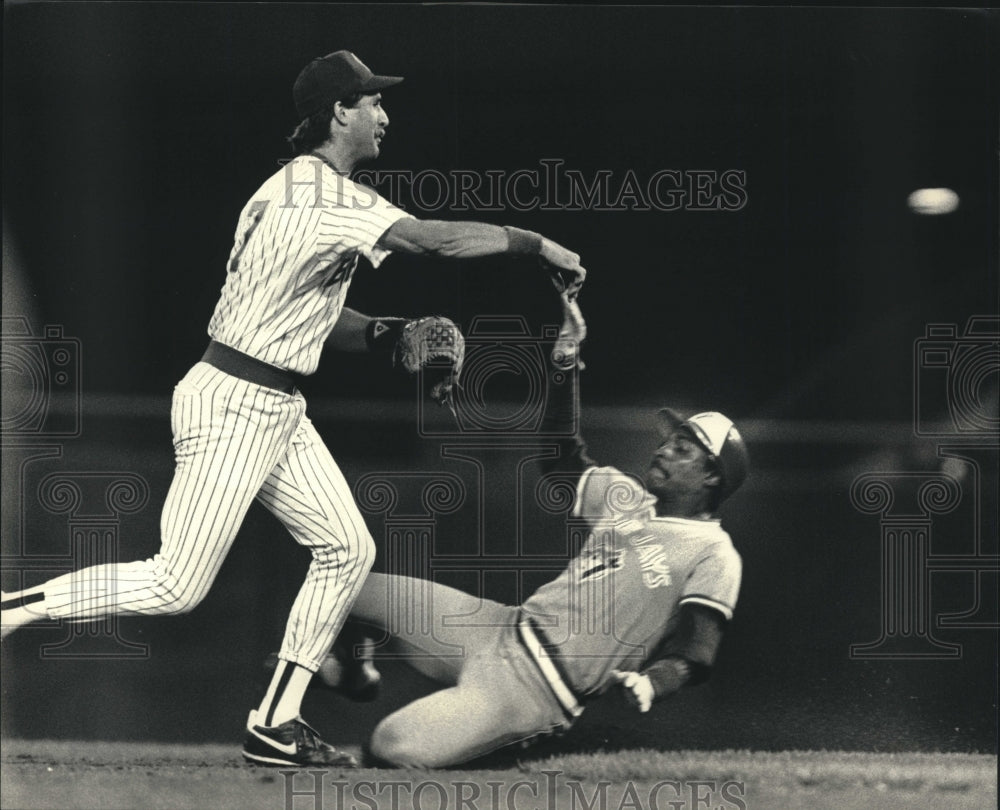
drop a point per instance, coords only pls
(334, 77)
(721, 440)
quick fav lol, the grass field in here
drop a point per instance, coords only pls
(41, 774)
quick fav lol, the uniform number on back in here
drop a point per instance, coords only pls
(255, 215)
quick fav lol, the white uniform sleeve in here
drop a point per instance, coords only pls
(358, 220)
(715, 581)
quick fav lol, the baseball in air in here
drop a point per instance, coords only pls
(932, 201)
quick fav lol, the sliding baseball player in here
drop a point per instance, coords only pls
(643, 606)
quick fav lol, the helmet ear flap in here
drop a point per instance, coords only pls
(734, 462)
(713, 475)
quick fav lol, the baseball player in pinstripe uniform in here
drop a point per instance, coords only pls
(239, 423)
(643, 605)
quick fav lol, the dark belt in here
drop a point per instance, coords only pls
(248, 368)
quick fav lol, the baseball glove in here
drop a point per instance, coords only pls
(434, 346)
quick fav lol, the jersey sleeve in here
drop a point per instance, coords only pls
(605, 493)
(357, 220)
(715, 581)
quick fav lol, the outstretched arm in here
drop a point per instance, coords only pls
(563, 403)
(464, 240)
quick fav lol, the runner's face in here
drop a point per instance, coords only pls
(680, 464)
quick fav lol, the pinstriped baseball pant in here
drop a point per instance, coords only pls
(235, 441)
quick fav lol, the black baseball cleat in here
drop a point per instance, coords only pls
(292, 743)
(353, 677)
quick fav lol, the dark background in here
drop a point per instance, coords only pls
(134, 134)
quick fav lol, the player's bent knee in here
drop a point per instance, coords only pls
(389, 745)
(368, 552)
(363, 554)
(174, 598)
(172, 604)
(365, 545)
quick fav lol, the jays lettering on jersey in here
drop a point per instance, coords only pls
(617, 601)
(296, 247)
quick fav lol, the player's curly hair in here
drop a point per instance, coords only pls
(315, 130)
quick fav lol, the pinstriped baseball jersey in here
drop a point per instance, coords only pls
(296, 248)
(617, 601)
(297, 245)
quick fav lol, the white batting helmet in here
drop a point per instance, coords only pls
(721, 440)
